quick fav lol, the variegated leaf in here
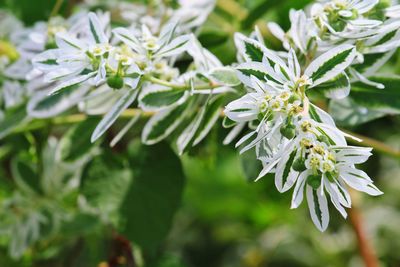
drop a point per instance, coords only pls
(330, 64)
(123, 103)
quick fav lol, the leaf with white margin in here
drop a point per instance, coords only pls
(250, 49)
(256, 69)
(42, 105)
(47, 60)
(175, 47)
(211, 116)
(129, 39)
(348, 113)
(387, 100)
(67, 42)
(123, 103)
(318, 207)
(186, 137)
(285, 175)
(225, 76)
(96, 30)
(358, 180)
(236, 130)
(164, 123)
(330, 64)
(156, 97)
(330, 187)
(73, 82)
(298, 191)
(320, 115)
(336, 88)
(353, 154)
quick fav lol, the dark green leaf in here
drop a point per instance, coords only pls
(154, 195)
(76, 142)
(387, 99)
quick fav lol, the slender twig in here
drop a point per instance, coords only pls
(375, 144)
(56, 8)
(130, 113)
(364, 245)
(180, 86)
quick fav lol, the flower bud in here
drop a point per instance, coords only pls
(115, 82)
(314, 180)
(323, 139)
(288, 131)
(299, 165)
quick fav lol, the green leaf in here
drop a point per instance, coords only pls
(154, 196)
(42, 105)
(348, 113)
(250, 164)
(330, 64)
(25, 174)
(372, 62)
(76, 142)
(228, 123)
(123, 103)
(185, 139)
(336, 88)
(251, 49)
(96, 29)
(157, 97)
(105, 184)
(387, 99)
(211, 116)
(225, 76)
(73, 83)
(13, 118)
(164, 123)
(288, 166)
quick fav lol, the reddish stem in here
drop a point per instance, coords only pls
(364, 245)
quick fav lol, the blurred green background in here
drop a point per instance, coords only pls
(223, 218)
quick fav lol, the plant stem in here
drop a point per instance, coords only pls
(365, 247)
(179, 86)
(375, 144)
(56, 8)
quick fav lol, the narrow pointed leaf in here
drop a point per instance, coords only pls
(123, 103)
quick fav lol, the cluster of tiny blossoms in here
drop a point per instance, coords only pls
(104, 71)
(372, 26)
(293, 138)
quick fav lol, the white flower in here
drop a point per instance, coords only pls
(149, 47)
(325, 170)
(77, 60)
(303, 31)
(344, 15)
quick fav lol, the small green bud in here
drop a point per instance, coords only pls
(314, 181)
(323, 139)
(288, 131)
(50, 45)
(299, 165)
(115, 82)
(293, 98)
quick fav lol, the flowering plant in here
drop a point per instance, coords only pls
(148, 63)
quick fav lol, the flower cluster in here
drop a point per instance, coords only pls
(153, 64)
(295, 139)
(372, 26)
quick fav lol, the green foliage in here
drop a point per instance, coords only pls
(387, 99)
(154, 195)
